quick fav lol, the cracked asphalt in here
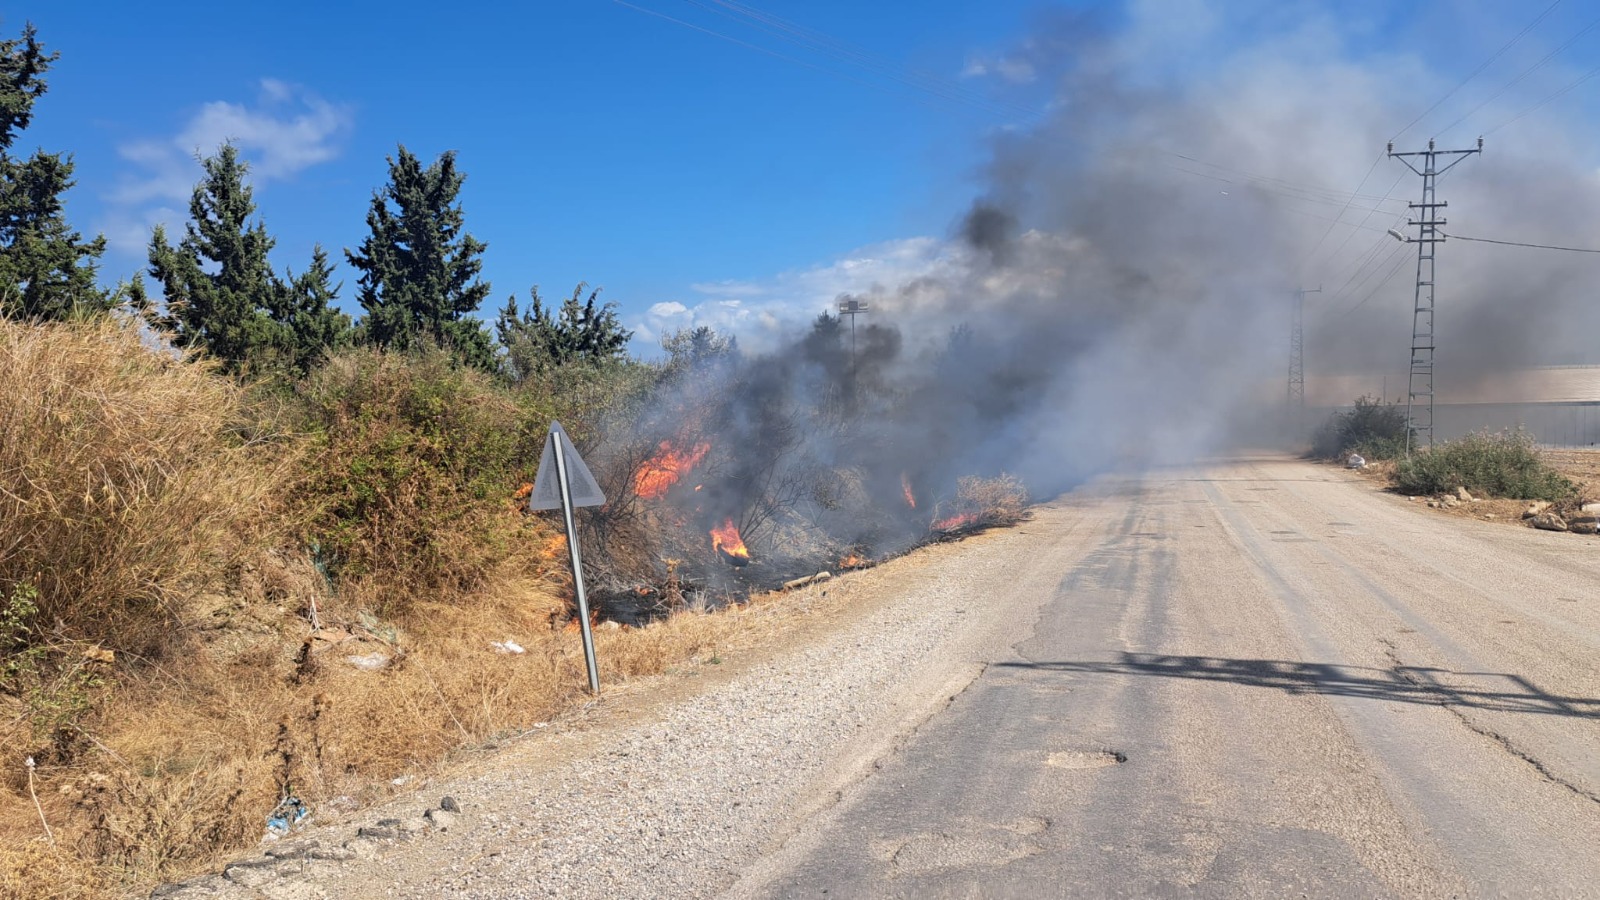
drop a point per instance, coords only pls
(1256, 677)
(1313, 689)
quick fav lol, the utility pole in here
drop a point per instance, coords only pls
(1297, 362)
(1419, 396)
(852, 308)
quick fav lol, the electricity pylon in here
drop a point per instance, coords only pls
(1420, 421)
(1297, 362)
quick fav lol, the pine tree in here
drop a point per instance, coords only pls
(419, 268)
(47, 270)
(228, 310)
(305, 306)
(540, 338)
(691, 348)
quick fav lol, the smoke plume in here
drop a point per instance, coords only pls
(1118, 293)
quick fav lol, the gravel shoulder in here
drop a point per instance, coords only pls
(1256, 677)
(674, 786)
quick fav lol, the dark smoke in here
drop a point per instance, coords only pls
(1119, 296)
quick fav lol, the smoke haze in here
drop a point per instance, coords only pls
(1118, 292)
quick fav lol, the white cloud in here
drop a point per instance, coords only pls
(287, 130)
(1013, 69)
(668, 310)
(763, 312)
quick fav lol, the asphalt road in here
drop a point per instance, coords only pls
(1258, 677)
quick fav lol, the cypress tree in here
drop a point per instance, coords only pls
(228, 310)
(305, 307)
(419, 267)
(47, 270)
(581, 331)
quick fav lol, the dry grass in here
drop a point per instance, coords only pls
(158, 656)
(192, 755)
(157, 648)
(36, 870)
(126, 478)
(1001, 500)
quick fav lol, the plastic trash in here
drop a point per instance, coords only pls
(507, 647)
(1356, 461)
(290, 813)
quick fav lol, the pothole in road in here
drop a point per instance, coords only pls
(972, 846)
(1084, 759)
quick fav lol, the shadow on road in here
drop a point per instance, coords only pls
(1400, 684)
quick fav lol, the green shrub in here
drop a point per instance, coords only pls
(419, 458)
(1498, 464)
(1372, 428)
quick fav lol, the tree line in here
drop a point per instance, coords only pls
(419, 279)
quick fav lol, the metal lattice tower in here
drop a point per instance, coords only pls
(1419, 396)
(1297, 361)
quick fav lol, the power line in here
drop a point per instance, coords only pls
(1367, 265)
(1318, 245)
(1518, 80)
(1373, 168)
(1400, 258)
(1590, 74)
(844, 52)
(853, 54)
(1457, 237)
(1328, 194)
(1363, 223)
(733, 40)
(1474, 73)
(922, 82)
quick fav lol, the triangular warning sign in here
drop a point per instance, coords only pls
(547, 490)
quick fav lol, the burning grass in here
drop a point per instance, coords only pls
(981, 503)
(174, 665)
(203, 609)
(660, 472)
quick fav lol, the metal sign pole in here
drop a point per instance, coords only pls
(577, 566)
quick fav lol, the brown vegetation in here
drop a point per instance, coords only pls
(175, 658)
(215, 595)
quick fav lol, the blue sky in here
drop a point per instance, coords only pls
(672, 166)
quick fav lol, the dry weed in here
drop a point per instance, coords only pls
(33, 869)
(1001, 500)
(126, 479)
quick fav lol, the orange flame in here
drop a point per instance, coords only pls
(660, 472)
(905, 486)
(854, 561)
(954, 522)
(727, 540)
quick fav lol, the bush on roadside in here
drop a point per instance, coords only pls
(1490, 464)
(418, 459)
(1372, 428)
(1000, 500)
